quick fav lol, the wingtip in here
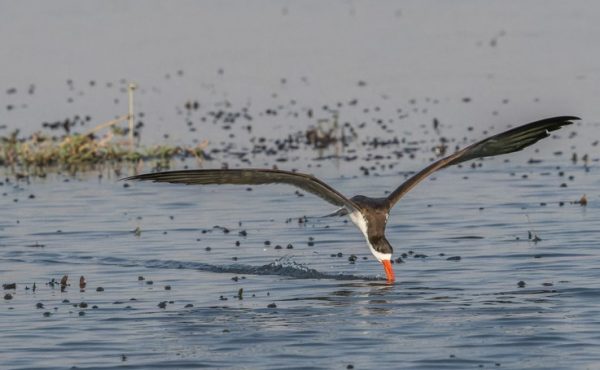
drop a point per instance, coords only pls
(130, 178)
(556, 123)
(564, 119)
(141, 177)
(560, 119)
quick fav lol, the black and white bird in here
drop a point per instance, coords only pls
(370, 215)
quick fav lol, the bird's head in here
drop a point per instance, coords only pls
(382, 250)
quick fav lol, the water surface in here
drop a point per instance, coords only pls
(384, 70)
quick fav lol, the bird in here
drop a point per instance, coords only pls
(369, 214)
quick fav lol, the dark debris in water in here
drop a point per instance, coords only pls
(533, 237)
(35, 245)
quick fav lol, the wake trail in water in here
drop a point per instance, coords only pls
(283, 267)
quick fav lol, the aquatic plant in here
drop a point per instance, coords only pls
(77, 151)
(41, 150)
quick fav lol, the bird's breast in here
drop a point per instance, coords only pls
(359, 220)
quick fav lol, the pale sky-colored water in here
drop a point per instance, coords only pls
(515, 61)
(488, 51)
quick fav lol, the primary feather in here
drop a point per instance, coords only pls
(252, 177)
(507, 142)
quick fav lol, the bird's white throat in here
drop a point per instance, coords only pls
(359, 220)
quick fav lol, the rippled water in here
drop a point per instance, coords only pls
(215, 289)
(328, 312)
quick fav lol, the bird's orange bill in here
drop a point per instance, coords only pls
(389, 272)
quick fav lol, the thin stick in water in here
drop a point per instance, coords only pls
(130, 89)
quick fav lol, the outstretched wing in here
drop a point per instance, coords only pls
(251, 177)
(507, 142)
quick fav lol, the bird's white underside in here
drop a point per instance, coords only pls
(359, 220)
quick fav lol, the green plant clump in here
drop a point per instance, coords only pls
(75, 150)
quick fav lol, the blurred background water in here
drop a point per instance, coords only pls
(387, 69)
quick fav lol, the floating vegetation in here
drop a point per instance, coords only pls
(582, 201)
(75, 151)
